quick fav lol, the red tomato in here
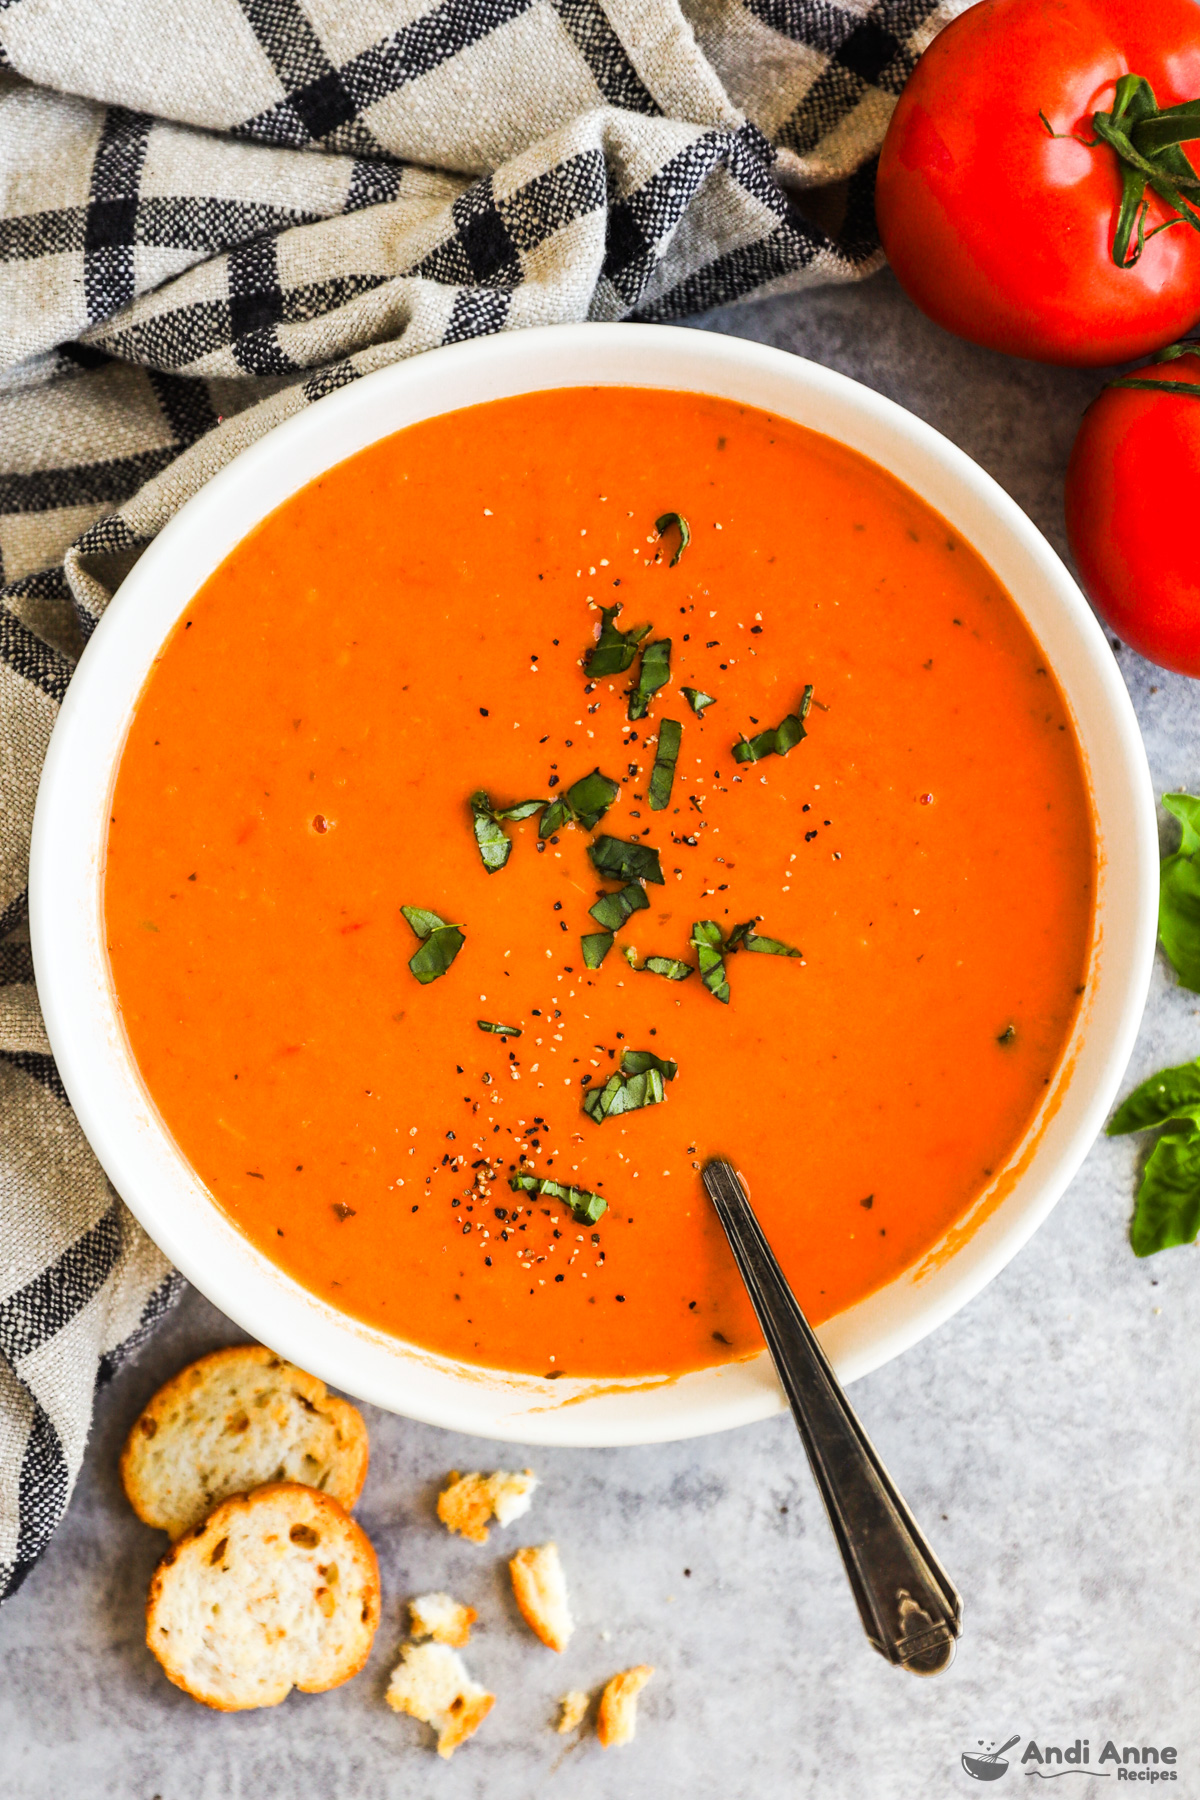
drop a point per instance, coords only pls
(1003, 233)
(1133, 494)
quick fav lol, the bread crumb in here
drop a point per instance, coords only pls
(572, 1710)
(441, 1618)
(429, 1683)
(541, 1590)
(469, 1501)
(616, 1721)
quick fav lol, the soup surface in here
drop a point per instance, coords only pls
(411, 629)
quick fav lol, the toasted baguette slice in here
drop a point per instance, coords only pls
(276, 1589)
(439, 1617)
(431, 1684)
(231, 1422)
(469, 1501)
(541, 1590)
(616, 1721)
(572, 1710)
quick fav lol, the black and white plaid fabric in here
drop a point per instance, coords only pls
(214, 212)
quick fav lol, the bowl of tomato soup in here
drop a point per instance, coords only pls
(547, 764)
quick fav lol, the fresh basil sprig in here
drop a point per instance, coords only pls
(665, 523)
(440, 943)
(584, 803)
(617, 860)
(697, 699)
(587, 1208)
(498, 1030)
(778, 741)
(1179, 894)
(639, 1082)
(495, 845)
(662, 775)
(1168, 1201)
(654, 673)
(614, 650)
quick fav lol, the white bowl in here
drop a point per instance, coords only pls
(68, 867)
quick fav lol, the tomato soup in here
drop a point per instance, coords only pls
(413, 629)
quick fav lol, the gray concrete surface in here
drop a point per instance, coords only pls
(1048, 1436)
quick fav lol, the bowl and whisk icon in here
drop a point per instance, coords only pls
(990, 1765)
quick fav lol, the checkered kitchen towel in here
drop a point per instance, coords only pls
(213, 212)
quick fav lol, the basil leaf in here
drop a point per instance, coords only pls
(777, 742)
(662, 776)
(612, 910)
(584, 803)
(440, 945)
(1168, 1202)
(685, 533)
(495, 846)
(1171, 1094)
(630, 955)
(706, 940)
(670, 966)
(638, 1083)
(1186, 808)
(499, 1030)
(654, 673)
(745, 937)
(636, 1062)
(421, 921)
(614, 650)
(586, 1207)
(697, 699)
(595, 947)
(1179, 894)
(618, 860)
(556, 815)
(591, 796)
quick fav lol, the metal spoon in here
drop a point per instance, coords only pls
(910, 1610)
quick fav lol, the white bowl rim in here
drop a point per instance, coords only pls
(66, 873)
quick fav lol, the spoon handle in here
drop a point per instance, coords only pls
(910, 1611)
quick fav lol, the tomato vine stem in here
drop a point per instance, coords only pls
(1145, 138)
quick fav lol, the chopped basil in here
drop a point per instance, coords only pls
(745, 937)
(777, 742)
(710, 954)
(670, 966)
(685, 533)
(638, 1083)
(654, 673)
(587, 1208)
(662, 776)
(614, 650)
(595, 946)
(498, 1030)
(1168, 1201)
(440, 943)
(636, 1062)
(617, 860)
(495, 846)
(612, 910)
(584, 803)
(1179, 894)
(697, 699)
